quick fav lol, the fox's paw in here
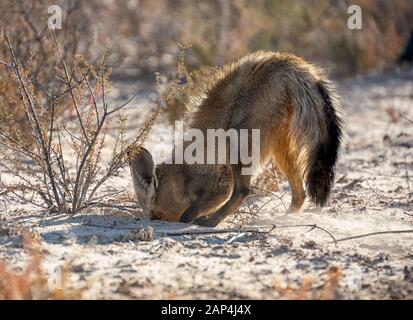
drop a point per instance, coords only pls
(293, 209)
(205, 222)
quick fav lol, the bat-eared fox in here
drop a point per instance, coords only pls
(295, 108)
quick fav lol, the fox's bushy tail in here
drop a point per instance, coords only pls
(320, 175)
(317, 133)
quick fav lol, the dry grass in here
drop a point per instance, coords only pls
(144, 37)
(306, 290)
(25, 23)
(269, 179)
(221, 31)
(66, 167)
(32, 283)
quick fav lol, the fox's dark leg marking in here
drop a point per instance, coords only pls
(240, 191)
(192, 212)
(205, 202)
(199, 206)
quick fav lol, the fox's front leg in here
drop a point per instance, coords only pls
(240, 191)
(192, 212)
(229, 208)
(205, 203)
(208, 190)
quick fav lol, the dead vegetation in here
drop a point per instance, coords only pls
(57, 165)
(220, 30)
(35, 47)
(32, 283)
(61, 187)
(307, 290)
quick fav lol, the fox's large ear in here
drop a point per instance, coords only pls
(142, 168)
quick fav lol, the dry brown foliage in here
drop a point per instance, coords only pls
(25, 23)
(269, 179)
(144, 34)
(222, 30)
(57, 164)
(328, 290)
(32, 283)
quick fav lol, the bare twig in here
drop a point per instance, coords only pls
(39, 133)
(202, 231)
(6, 64)
(115, 206)
(372, 234)
(381, 195)
(407, 179)
(406, 118)
(124, 104)
(311, 226)
(68, 82)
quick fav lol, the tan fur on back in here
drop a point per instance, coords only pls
(252, 94)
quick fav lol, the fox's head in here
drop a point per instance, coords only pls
(158, 189)
(142, 168)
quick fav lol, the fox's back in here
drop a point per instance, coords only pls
(250, 93)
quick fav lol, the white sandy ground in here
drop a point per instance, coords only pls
(372, 193)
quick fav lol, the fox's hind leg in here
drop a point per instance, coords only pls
(288, 166)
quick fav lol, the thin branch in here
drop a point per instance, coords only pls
(372, 234)
(381, 195)
(68, 82)
(49, 144)
(59, 95)
(6, 64)
(311, 226)
(73, 135)
(18, 145)
(123, 105)
(114, 206)
(36, 121)
(406, 118)
(189, 231)
(202, 231)
(407, 179)
(93, 101)
(105, 106)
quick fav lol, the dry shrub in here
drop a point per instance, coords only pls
(223, 30)
(32, 283)
(25, 22)
(144, 34)
(385, 28)
(184, 89)
(57, 165)
(266, 187)
(269, 180)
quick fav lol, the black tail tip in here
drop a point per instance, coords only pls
(319, 184)
(320, 177)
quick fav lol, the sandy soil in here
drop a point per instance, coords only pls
(111, 253)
